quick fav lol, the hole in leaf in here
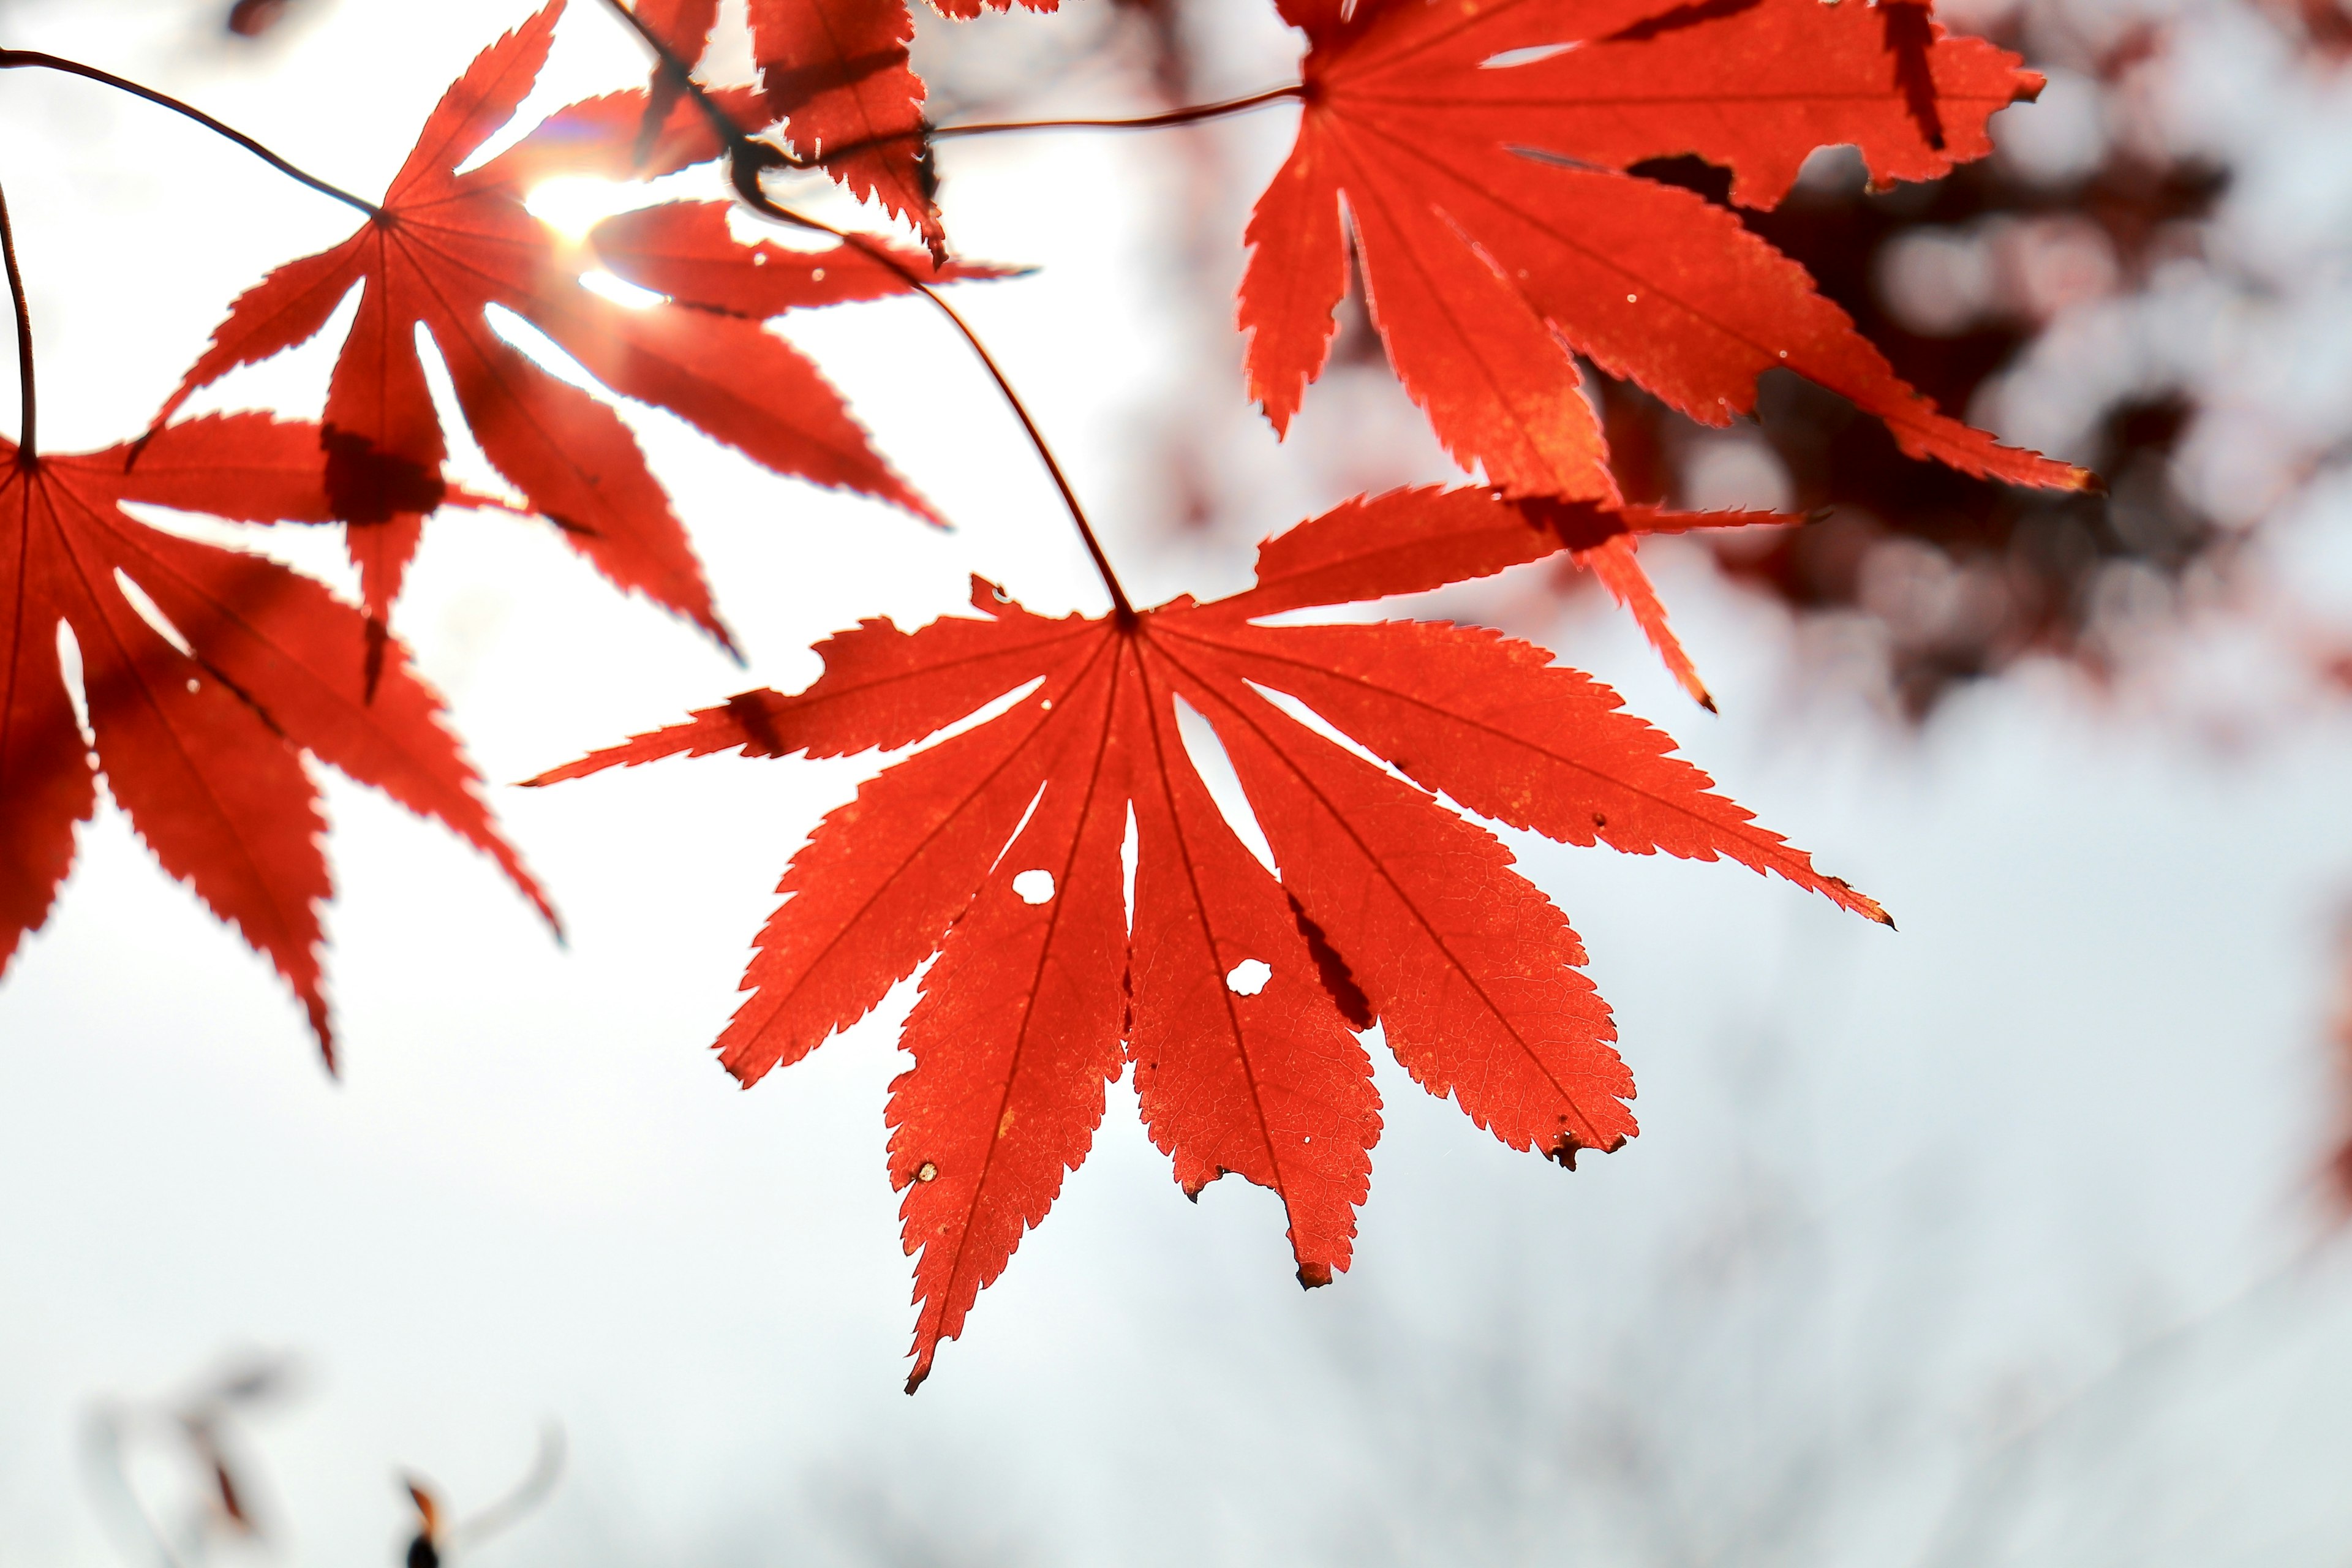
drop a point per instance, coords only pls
(1248, 977)
(1034, 887)
(926, 1172)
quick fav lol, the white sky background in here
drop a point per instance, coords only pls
(1897, 1195)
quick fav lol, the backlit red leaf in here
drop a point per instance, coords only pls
(685, 251)
(1235, 991)
(1476, 150)
(837, 73)
(206, 673)
(448, 248)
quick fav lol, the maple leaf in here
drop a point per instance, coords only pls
(685, 251)
(1000, 849)
(1472, 156)
(683, 28)
(838, 74)
(200, 728)
(445, 249)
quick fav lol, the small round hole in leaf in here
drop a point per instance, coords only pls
(1034, 887)
(1248, 977)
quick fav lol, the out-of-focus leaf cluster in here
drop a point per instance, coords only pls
(2072, 245)
(251, 18)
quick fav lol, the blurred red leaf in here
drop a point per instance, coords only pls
(251, 18)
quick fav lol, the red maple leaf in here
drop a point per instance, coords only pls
(686, 250)
(1471, 155)
(206, 673)
(683, 25)
(445, 247)
(683, 28)
(837, 73)
(1000, 849)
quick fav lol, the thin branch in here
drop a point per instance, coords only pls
(18, 59)
(1980, 1505)
(1191, 114)
(749, 157)
(25, 435)
(680, 75)
(747, 187)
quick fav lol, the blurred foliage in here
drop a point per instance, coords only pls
(1954, 281)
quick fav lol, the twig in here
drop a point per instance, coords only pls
(1191, 114)
(1969, 1516)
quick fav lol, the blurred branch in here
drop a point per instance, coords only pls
(528, 1494)
(120, 1502)
(1988, 1494)
(194, 1421)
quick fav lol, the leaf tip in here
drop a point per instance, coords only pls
(1565, 1150)
(1314, 1276)
(1860, 902)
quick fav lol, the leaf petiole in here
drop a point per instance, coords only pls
(25, 453)
(34, 58)
(747, 157)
